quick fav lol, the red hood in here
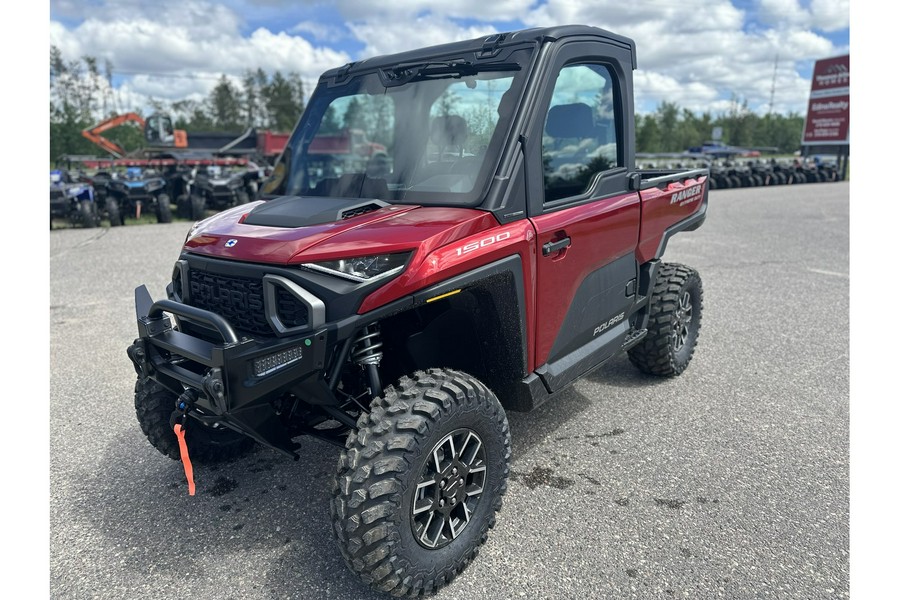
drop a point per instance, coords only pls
(395, 228)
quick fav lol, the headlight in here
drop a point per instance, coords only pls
(363, 269)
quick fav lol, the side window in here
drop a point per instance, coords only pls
(579, 138)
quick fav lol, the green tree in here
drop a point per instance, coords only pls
(225, 105)
(299, 96)
(355, 115)
(330, 123)
(252, 99)
(648, 137)
(280, 103)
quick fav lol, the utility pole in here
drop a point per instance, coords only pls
(774, 78)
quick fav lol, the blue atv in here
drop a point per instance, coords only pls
(129, 193)
(72, 200)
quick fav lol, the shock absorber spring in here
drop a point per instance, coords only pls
(367, 353)
(367, 346)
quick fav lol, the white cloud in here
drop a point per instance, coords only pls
(320, 31)
(422, 31)
(389, 12)
(825, 15)
(696, 52)
(172, 50)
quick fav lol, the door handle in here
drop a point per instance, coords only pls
(552, 247)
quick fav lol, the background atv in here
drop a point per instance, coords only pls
(134, 192)
(214, 187)
(72, 200)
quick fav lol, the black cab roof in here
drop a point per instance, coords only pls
(482, 47)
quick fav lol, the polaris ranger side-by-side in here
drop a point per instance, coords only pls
(499, 247)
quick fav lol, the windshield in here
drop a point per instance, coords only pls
(434, 139)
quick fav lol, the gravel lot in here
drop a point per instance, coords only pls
(731, 481)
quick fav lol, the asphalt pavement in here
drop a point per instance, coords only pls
(730, 481)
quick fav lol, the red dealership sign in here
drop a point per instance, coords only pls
(828, 113)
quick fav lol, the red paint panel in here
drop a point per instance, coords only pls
(436, 262)
(391, 229)
(600, 232)
(663, 208)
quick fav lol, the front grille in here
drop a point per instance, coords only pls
(241, 301)
(238, 299)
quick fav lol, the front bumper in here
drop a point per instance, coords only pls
(237, 377)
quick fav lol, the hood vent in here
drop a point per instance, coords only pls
(355, 211)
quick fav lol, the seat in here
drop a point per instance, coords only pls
(448, 133)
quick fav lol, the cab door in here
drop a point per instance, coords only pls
(587, 221)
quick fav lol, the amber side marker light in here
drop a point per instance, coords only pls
(448, 294)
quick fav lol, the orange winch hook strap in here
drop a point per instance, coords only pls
(185, 459)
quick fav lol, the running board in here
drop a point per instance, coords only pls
(634, 337)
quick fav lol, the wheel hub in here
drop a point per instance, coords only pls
(449, 488)
(681, 324)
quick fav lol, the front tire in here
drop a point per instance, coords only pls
(397, 526)
(676, 306)
(154, 405)
(163, 209)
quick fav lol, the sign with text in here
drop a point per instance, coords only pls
(828, 113)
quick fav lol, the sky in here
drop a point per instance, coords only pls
(701, 54)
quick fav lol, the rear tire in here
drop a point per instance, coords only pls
(183, 207)
(163, 209)
(420, 482)
(198, 207)
(112, 211)
(87, 214)
(154, 406)
(676, 307)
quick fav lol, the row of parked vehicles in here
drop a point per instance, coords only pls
(112, 190)
(755, 173)
(728, 174)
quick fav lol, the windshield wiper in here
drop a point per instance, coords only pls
(402, 74)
